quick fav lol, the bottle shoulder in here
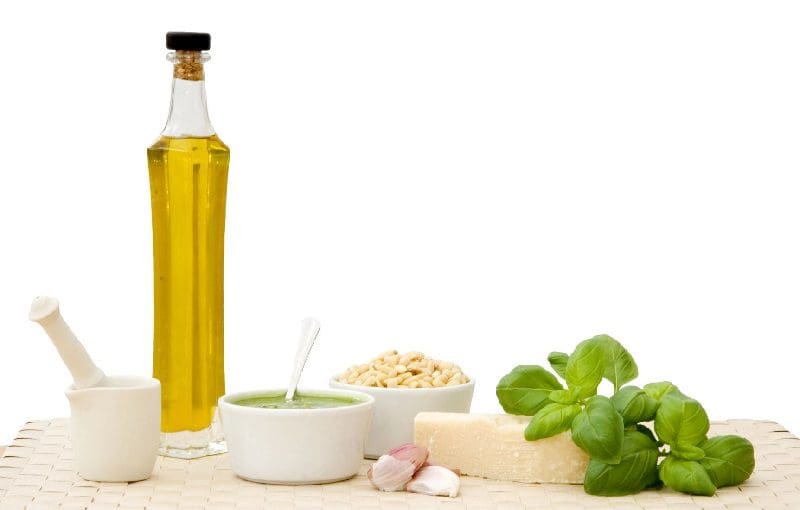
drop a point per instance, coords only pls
(210, 143)
(217, 141)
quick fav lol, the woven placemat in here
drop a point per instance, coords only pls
(36, 473)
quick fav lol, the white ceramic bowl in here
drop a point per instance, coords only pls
(396, 408)
(114, 428)
(296, 446)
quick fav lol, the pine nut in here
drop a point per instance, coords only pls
(409, 370)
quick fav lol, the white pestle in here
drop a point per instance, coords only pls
(85, 373)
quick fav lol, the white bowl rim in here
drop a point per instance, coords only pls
(336, 383)
(116, 383)
(367, 401)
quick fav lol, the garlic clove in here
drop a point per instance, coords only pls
(391, 474)
(412, 453)
(435, 481)
(395, 469)
(454, 470)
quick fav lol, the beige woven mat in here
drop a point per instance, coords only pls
(36, 473)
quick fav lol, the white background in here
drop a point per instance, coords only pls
(482, 181)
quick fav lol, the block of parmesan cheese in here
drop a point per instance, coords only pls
(494, 446)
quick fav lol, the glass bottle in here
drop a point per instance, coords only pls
(188, 168)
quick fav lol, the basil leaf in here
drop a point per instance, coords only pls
(686, 476)
(525, 389)
(558, 362)
(681, 420)
(585, 367)
(620, 367)
(634, 405)
(637, 470)
(598, 430)
(729, 460)
(661, 389)
(687, 452)
(552, 419)
(563, 396)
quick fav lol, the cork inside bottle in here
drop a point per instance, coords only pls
(188, 65)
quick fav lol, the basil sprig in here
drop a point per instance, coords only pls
(624, 453)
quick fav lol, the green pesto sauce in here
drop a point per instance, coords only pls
(301, 401)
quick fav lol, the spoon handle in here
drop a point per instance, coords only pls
(308, 333)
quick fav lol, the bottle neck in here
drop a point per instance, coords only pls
(188, 114)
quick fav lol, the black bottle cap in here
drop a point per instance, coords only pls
(188, 41)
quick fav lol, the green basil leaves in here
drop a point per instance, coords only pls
(624, 453)
(558, 362)
(599, 357)
(552, 419)
(634, 405)
(620, 366)
(688, 452)
(598, 430)
(681, 420)
(637, 469)
(687, 476)
(729, 460)
(585, 367)
(525, 390)
(659, 390)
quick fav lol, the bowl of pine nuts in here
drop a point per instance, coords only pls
(404, 385)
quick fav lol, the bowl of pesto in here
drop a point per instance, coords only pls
(316, 438)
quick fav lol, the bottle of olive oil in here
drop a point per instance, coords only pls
(188, 168)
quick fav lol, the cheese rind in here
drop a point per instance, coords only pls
(494, 446)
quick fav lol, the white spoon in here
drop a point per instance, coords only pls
(308, 333)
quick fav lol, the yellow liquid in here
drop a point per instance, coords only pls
(188, 183)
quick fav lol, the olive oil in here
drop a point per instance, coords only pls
(188, 181)
(188, 168)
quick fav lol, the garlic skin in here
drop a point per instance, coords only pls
(418, 455)
(435, 481)
(395, 469)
